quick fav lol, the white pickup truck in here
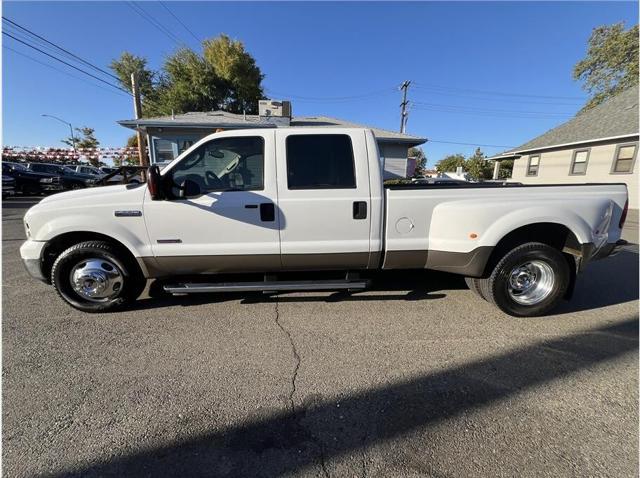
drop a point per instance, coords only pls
(291, 204)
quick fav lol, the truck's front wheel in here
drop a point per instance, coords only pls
(528, 281)
(94, 277)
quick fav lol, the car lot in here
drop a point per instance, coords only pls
(417, 377)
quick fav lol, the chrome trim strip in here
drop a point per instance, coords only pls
(132, 213)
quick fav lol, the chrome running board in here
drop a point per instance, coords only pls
(265, 286)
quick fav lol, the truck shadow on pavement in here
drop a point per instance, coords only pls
(390, 285)
(607, 282)
(315, 430)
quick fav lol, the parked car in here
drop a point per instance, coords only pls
(8, 186)
(445, 181)
(86, 169)
(134, 178)
(30, 182)
(277, 201)
(68, 178)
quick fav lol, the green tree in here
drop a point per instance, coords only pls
(128, 159)
(129, 63)
(238, 70)
(421, 161)
(84, 138)
(189, 83)
(506, 169)
(225, 76)
(478, 167)
(450, 163)
(611, 64)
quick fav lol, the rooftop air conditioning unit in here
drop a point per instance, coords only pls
(273, 108)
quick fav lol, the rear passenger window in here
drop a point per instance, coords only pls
(320, 161)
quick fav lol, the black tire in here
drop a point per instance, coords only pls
(473, 284)
(496, 287)
(30, 190)
(131, 280)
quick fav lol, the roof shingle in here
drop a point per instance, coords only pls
(617, 116)
(223, 118)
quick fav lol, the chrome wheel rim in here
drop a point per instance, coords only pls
(530, 283)
(96, 279)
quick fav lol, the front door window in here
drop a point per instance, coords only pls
(225, 164)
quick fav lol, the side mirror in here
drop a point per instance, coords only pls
(154, 182)
(189, 189)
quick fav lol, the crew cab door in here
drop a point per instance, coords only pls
(323, 199)
(233, 225)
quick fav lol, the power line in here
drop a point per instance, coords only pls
(24, 41)
(97, 68)
(66, 63)
(489, 114)
(471, 144)
(329, 99)
(487, 110)
(149, 18)
(180, 22)
(497, 93)
(504, 100)
(61, 71)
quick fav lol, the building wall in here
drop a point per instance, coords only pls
(555, 167)
(165, 141)
(394, 157)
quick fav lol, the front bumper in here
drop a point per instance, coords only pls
(31, 254)
(51, 187)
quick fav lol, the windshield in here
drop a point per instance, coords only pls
(17, 166)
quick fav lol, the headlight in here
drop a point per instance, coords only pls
(27, 232)
(46, 180)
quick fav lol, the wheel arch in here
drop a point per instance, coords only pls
(56, 245)
(556, 235)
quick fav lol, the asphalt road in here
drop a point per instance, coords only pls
(416, 378)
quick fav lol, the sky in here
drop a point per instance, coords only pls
(482, 73)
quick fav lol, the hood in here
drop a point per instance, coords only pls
(89, 196)
(90, 209)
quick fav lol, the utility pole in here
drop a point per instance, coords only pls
(137, 108)
(403, 106)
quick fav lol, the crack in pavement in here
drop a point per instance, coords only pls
(294, 376)
(363, 457)
(296, 357)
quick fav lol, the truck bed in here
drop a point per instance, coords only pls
(455, 227)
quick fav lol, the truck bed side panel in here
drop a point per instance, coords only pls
(456, 229)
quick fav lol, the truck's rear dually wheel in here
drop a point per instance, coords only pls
(94, 277)
(530, 280)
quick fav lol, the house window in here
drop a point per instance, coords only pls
(167, 149)
(533, 166)
(320, 161)
(624, 159)
(579, 163)
(164, 149)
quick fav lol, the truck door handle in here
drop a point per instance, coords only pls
(359, 210)
(267, 212)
